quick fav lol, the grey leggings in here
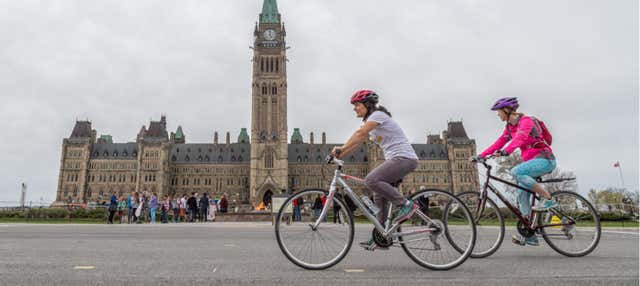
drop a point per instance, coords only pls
(380, 179)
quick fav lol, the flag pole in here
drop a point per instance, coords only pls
(621, 178)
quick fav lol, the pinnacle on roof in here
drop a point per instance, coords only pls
(243, 137)
(179, 133)
(296, 137)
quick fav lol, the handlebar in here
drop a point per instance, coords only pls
(330, 159)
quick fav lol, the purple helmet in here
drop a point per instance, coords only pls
(510, 102)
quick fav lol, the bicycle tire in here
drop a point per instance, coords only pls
(479, 231)
(470, 227)
(554, 244)
(297, 260)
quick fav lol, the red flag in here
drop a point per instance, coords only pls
(616, 165)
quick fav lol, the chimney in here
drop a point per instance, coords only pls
(324, 138)
(228, 138)
(215, 137)
(311, 138)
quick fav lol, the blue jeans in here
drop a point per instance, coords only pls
(296, 214)
(525, 174)
(153, 215)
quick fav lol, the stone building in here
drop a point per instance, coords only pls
(254, 166)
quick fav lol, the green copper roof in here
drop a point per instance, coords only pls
(243, 137)
(296, 138)
(179, 134)
(106, 139)
(270, 13)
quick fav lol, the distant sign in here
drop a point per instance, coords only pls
(277, 202)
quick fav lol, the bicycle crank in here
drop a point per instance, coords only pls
(525, 230)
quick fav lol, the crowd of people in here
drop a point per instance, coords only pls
(143, 207)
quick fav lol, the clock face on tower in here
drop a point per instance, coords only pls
(269, 35)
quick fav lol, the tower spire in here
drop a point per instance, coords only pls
(269, 13)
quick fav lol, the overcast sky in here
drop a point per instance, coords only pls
(121, 63)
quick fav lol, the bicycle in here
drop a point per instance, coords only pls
(574, 220)
(319, 239)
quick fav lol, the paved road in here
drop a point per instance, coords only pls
(247, 254)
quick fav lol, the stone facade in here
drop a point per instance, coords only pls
(254, 167)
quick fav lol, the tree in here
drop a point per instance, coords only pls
(558, 173)
(505, 164)
(503, 170)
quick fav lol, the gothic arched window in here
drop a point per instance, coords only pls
(268, 159)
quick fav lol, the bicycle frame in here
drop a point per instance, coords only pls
(529, 221)
(387, 230)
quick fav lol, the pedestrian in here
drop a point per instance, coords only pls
(204, 207)
(301, 206)
(296, 209)
(223, 203)
(197, 216)
(336, 213)
(135, 206)
(145, 207)
(183, 207)
(130, 207)
(113, 206)
(164, 208)
(153, 205)
(175, 206)
(212, 210)
(192, 204)
(122, 205)
(140, 211)
(317, 206)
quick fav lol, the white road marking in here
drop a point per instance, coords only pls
(84, 267)
(229, 245)
(620, 232)
(215, 269)
(354, 270)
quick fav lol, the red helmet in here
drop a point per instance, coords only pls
(364, 96)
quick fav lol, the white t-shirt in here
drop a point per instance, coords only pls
(390, 137)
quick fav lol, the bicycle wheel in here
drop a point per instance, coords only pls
(429, 243)
(310, 248)
(489, 224)
(574, 240)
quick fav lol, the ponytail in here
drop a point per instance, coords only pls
(371, 107)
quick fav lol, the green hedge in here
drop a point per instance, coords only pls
(56, 213)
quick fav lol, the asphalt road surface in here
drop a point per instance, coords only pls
(247, 254)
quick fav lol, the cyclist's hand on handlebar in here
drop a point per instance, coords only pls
(476, 158)
(336, 152)
(500, 153)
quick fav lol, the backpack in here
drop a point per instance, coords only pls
(544, 137)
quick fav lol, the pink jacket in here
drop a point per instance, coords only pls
(520, 137)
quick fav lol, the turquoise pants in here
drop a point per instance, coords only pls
(525, 174)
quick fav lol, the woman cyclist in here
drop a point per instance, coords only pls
(525, 133)
(400, 158)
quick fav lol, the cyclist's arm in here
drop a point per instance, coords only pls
(522, 134)
(360, 136)
(502, 140)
